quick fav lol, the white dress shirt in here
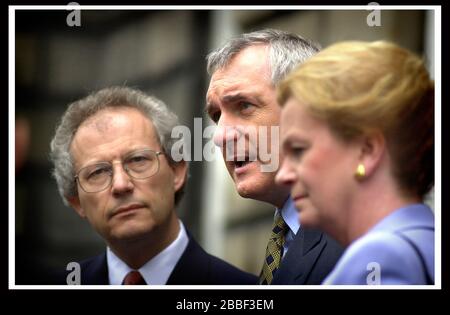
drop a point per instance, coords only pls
(290, 216)
(155, 271)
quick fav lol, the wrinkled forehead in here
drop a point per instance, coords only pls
(252, 59)
(113, 128)
(104, 119)
(109, 119)
(240, 77)
(100, 122)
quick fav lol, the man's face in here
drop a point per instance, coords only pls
(130, 209)
(240, 96)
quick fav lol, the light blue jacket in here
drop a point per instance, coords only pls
(397, 250)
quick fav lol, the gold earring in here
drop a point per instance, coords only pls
(360, 171)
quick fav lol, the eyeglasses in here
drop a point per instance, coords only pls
(140, 164)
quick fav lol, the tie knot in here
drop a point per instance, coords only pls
(134, 278)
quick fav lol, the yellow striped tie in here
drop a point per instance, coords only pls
(274, 250)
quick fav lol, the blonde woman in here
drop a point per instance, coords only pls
(357, 131)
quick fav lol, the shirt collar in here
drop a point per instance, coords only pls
(157, 270)
(290, 215)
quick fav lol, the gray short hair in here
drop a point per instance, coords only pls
(77, 112)
(286, 50)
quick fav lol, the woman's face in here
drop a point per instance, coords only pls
(318, 167)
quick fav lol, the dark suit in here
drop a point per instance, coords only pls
(310, 258)
(195, 267)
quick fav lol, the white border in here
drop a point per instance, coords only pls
(438, 146)
(222, 7)
(11, 147)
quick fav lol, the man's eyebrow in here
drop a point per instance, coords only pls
(230, 98)
(252, 98)
(210, 105)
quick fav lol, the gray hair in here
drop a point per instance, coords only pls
(286, 50)
(79, 111)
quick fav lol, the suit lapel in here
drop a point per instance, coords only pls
(191, 268)
(95, 271)
(301, 257)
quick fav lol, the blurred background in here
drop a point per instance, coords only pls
(162, 53)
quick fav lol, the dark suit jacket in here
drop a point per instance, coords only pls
(310, 258)
(195, 267)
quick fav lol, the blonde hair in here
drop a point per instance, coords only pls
(359, 87)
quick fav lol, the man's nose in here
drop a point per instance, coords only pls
(121, 181)
(224, 135)
(286, 175)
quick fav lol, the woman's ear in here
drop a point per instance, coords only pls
(373, 147)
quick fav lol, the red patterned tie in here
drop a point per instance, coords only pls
(133, 278)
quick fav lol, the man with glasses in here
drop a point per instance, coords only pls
(112, 161)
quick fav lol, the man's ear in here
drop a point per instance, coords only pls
(74, 201)
(373, 147)
(179, 171)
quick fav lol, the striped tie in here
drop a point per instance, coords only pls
(274, 250)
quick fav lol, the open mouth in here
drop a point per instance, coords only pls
(242, 161)
(240, 164)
